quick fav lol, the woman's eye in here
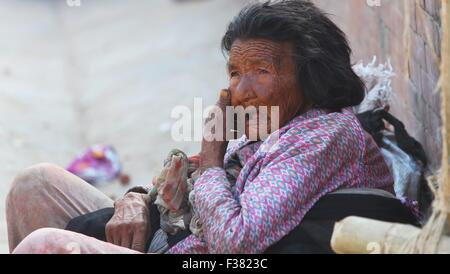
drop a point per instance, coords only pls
(263, 71)
(234, 74)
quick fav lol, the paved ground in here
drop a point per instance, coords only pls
(106, 72)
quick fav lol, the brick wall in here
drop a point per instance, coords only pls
(408, 32)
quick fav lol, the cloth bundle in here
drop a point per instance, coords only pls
(178, 211)
(403, 154)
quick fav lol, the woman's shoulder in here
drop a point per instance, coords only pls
(318, 130)
(320, 122)
(318, 134)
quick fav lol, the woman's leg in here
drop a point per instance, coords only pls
(58, 241)
(46, 195)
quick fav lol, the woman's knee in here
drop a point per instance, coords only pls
(47, 241)
(31, 181)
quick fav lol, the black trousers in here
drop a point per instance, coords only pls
(311, 236)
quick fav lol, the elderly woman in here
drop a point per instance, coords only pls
(286, 54)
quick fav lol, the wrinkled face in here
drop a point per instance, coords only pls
(262, 73)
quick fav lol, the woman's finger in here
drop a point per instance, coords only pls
(224, 98)
(138, 241)
(109, 234)
(117, 237)
(124, 239)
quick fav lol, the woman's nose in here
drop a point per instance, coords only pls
(244, 89)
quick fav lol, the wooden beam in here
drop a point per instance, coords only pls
(355, 235)
(445, 111)
(445, 75)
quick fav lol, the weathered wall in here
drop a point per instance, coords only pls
(408, 32)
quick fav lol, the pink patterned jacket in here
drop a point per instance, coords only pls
(317, 153)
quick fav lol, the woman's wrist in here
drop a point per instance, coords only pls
(209, 161)
(212, 155)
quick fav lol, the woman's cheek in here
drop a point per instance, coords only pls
(267, 91)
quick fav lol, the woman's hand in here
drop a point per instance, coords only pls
(130, 225)
(213, 152)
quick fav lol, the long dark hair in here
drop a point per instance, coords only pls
(321, 51)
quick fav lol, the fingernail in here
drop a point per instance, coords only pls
(224, 93)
